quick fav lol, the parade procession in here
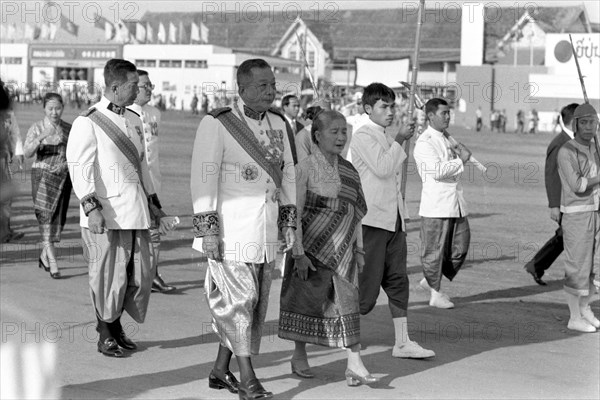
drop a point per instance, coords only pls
(299, 200)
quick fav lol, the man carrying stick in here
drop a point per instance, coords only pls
(445, 233)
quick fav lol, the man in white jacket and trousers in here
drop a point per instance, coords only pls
(445, 233)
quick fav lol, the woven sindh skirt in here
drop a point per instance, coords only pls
(51, 222)
(322, 310)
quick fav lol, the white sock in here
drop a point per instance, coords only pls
(401, 329)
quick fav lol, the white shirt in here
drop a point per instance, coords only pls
(226, 179)
(378, 159)
(96, 165)
(440, 171)
(150, 117)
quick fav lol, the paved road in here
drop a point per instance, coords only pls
(506, 338)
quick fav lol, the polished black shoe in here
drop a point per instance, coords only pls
(253, 390)
(126, 343)
(229, 382)
(158, 285)
(55, 275)
(536, 278)
(109, 348)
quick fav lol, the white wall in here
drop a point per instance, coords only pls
(14, 72)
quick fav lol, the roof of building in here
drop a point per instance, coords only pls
(346, 34)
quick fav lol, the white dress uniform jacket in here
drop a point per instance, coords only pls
(150, 117)
(440, 171)
(226, 179)
(97, 166)
(378, 159)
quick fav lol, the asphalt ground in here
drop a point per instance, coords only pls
(506, 338)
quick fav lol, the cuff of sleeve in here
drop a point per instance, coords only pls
(206, 223)
(90, 203)
(288, 216)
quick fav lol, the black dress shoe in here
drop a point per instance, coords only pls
(229, 382)
(55, 275)
(109, 348)
(537, 279)
(126, 343)
(158, 285)
(253, 390)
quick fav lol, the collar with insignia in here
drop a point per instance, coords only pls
(250, 113)
(116, 109)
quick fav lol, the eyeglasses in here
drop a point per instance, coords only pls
(146, 86)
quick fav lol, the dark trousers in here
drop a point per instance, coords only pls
(445, 245)
(543, 259)
(385, 267)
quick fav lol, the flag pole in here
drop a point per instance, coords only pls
(413, 90)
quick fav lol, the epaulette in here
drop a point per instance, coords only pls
(129, 109)
(218, 111)
(88, 112)
(277, 111)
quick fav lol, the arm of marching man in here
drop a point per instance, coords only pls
(570, 171)
(288, 213)
(430, 163)
(382, 162)
(207, 156)
(83, 167)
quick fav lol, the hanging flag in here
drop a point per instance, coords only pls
(203, 33)
(11, 31)
(109, 30)
(45, 31)
(68, 25)
(149, 33)
(195, 33)
(123, 35)
(28, 33)
(140, 33)
(181, 33)
(162, 34)
(172, 33)
(53, 29)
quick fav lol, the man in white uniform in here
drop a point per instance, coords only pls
(243, 187)
(150, 117)
(445, 233)
(111, 179)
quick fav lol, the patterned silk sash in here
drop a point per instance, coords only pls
(123, 144)
(245, 137)
(329, 224)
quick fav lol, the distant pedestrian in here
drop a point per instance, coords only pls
(520, 122)
(194, 105)
(478, 119)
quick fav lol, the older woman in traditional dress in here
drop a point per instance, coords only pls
(50, 182)
(319, 294)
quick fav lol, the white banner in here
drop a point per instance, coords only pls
(388, 72)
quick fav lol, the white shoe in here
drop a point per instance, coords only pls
(589, 316)
(411, 350)
(581, 325)
(440, 300)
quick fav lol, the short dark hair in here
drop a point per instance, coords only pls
(285, 101)
(52, 96)
(244, 72)
(116, 70)
(142, 72)
(433, 104)
(377, 91)
(567, 113)
(321, 120)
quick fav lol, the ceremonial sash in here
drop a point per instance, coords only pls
(129, 150)
(123, 144)
(245, 137)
